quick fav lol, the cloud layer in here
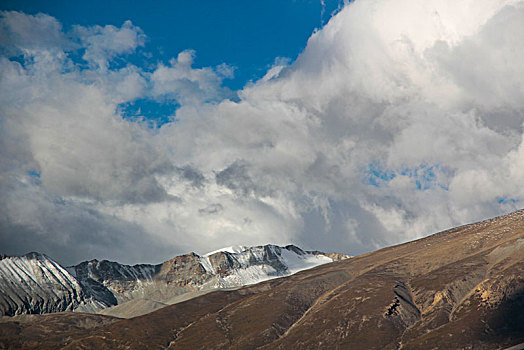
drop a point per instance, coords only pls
(398, 119)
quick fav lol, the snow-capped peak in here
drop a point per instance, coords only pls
(238, 266)
(231, 249)
(34, 283)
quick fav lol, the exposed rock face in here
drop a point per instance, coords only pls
(272, 256)
(183, 270)
(34, 283)
(458, 289)
(113, 281)
(223, 263)
(104, 270)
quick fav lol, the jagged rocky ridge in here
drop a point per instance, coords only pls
(35, 283)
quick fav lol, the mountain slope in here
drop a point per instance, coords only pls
(45, 331)
(34, 283)
(462, 288)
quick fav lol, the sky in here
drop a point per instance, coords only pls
(137, 133)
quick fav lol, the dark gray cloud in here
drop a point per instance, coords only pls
(215, 208)
(72, 232)
(236, 178)
(194, 176)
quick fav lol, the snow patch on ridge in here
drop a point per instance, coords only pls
(204, 260)
(247, 276)
(232, 249)
(296, 263)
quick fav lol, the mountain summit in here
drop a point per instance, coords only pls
(34, 283)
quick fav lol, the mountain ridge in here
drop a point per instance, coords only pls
(22, 292)
(95, 285)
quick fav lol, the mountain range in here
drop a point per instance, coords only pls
(458, 289)
(35, 283)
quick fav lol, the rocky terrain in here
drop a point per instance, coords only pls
(35, 283)
(458, 289)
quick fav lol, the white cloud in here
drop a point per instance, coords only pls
(24, 34)
(181, 82)
(397, 120)
(102, 44)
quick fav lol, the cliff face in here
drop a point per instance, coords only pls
(183, 270)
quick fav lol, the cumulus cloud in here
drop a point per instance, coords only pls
(24, 34)
(397, 120)
(101, 44)
(181, 82)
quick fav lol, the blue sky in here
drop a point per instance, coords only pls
(248, 35)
